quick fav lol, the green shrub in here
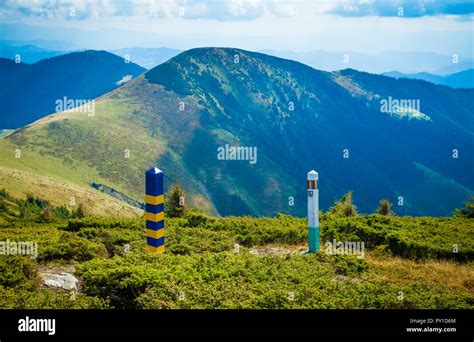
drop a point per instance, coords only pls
(200, 268)
(345, 206)
(174, 202)
(20, 298)
(226, 280)
(256, 231)
(33, 209)
(467, 211)
(385, 208)
(16, 270)
(409, 237)
(71, 247)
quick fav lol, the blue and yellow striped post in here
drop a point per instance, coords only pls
(313, 212)
(155, 215)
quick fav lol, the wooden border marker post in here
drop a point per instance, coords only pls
(313, 212)
(154, 215)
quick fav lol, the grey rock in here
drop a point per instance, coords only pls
(61, 280)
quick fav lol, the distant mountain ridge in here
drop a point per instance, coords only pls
(147, 57)
(27, 53)
(404, 61)
(177, 115)
(33, 89)
(462, 79)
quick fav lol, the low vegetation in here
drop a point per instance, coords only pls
(214, 262)
(35, 209)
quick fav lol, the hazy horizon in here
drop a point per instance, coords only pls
(440, 27)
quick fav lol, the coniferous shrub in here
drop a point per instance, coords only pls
(385, 208)
(468, 211)
(345, 206)
(174, 204)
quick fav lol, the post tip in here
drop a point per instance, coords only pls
(154, 170)
(312, 175)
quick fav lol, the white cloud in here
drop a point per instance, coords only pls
(225, 10)
(254, 25)
(230, 10)
(411, 8)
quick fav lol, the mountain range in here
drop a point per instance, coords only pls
(408, 62)
(34, 89)
(178, 115)
(147, 52)
(147, 57)
(27, 53)
(462, 79)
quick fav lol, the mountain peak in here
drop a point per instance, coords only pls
(83, 56)
(204, 65)
(80, 75)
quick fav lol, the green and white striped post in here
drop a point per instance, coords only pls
(313, 212)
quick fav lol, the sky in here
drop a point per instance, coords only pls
(366, 26)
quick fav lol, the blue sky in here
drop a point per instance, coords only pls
(444, 27)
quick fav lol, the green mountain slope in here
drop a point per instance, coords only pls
(34, 89)
(178, 114)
